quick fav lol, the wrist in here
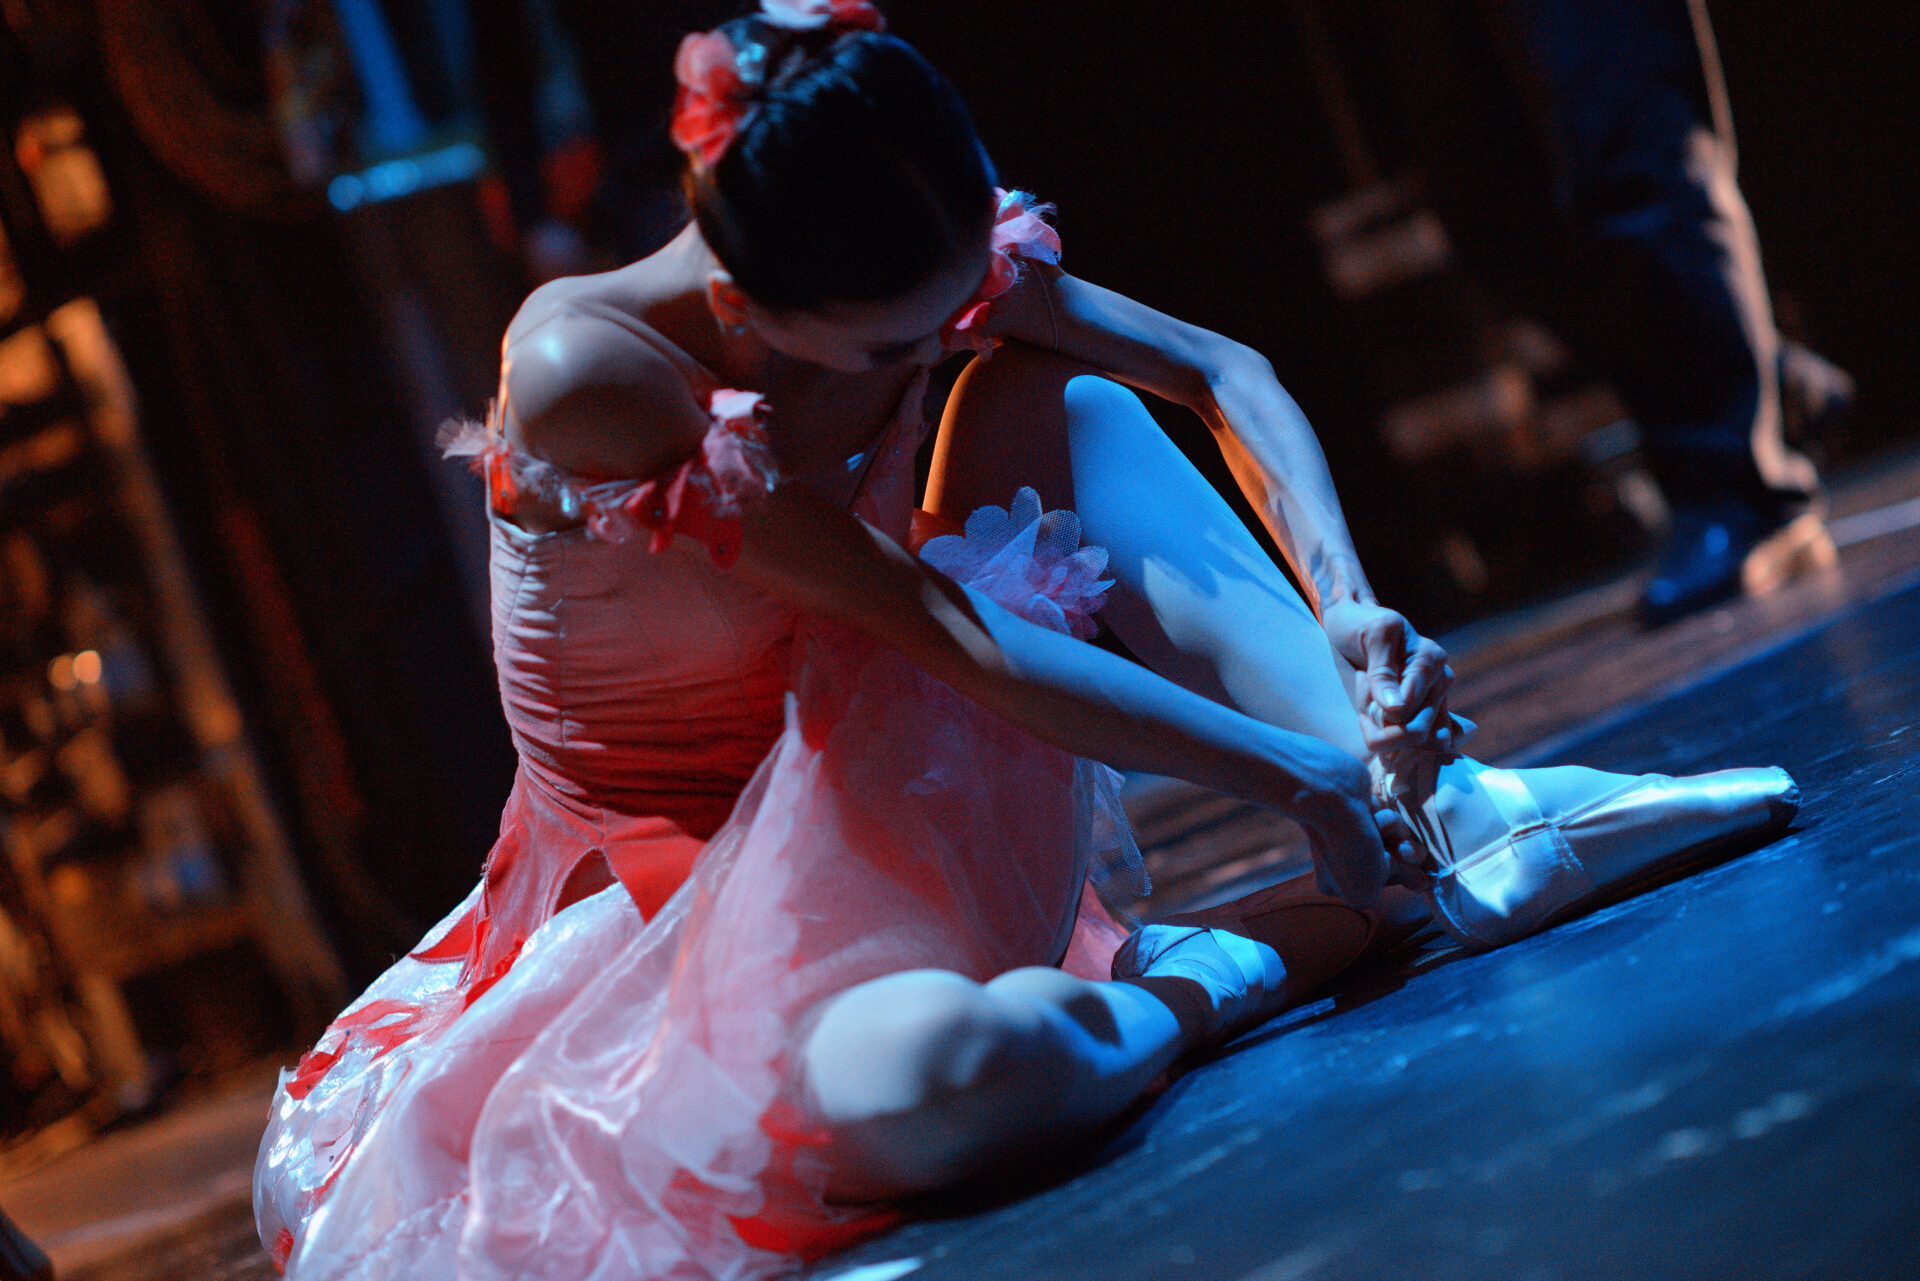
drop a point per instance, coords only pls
(1338, 579)
(1304, 768)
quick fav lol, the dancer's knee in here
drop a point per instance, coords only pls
(1005, 426)
(910, 1072)
(1018, 377)
(1026, 389)
(904, 1044)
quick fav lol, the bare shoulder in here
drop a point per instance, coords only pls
(587, 387)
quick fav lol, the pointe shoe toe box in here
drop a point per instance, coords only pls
(1559, 865)
(1619, 837)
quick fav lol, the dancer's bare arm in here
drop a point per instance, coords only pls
(1275, 457)
(590, 403)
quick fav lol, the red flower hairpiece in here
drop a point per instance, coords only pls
(718, 80)
(713, 100)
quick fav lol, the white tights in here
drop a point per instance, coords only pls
(926, 1078)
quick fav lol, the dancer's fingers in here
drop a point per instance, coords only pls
(1427, 677)
(1427, 728)
(1386, 644)
(1396, 670)
(1396, 836)
(1384, 739)
(1434, 730)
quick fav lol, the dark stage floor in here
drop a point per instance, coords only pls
(1718, 1079)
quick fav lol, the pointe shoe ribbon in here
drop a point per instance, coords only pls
(1496, 880)
(1504, 853)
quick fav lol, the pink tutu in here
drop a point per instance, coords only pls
(620, 1100)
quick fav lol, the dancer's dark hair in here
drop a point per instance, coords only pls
(856, 177)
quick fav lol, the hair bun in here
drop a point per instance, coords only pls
(722, 73)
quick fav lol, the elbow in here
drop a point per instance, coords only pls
(1232, 364)
(929, 620)
(956, 637)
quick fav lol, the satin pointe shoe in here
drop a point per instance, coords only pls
(1318, 936)
(1244, 982)
(1505, 853)
(1271, 949)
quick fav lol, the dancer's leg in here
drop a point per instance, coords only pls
(926, 1078)
(1197, 600)
(1204, 607)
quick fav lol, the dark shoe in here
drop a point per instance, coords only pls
(1707, 543)
(21, 1259)
(1718, 547)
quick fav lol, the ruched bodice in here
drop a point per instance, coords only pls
(641, 682)
(638, 681)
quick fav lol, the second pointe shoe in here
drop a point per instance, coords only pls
(1243, 982)
(1504, 853)
(1318, 936)
(1269, 950)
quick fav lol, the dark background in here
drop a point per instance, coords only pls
(293, 359)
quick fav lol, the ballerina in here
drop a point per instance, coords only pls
(792, 911)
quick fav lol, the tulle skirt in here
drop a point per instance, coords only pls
(618, 1099)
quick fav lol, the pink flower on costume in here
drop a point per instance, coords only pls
(718, 80)
(704, 496)
(809, 15)
(1028, 563)
(737, 455)
(1017, 230)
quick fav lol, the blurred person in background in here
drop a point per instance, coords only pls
(1669, 298)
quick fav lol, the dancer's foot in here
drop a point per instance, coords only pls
(1503, 853)
(1269, 950)
(1318, 936)
(1226, 982)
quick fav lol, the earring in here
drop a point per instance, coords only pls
(737, 328)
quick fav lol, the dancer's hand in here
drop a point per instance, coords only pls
(1403, 852)
(1335, 807)
(1401, 678)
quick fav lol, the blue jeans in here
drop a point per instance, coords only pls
(1673, 304)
